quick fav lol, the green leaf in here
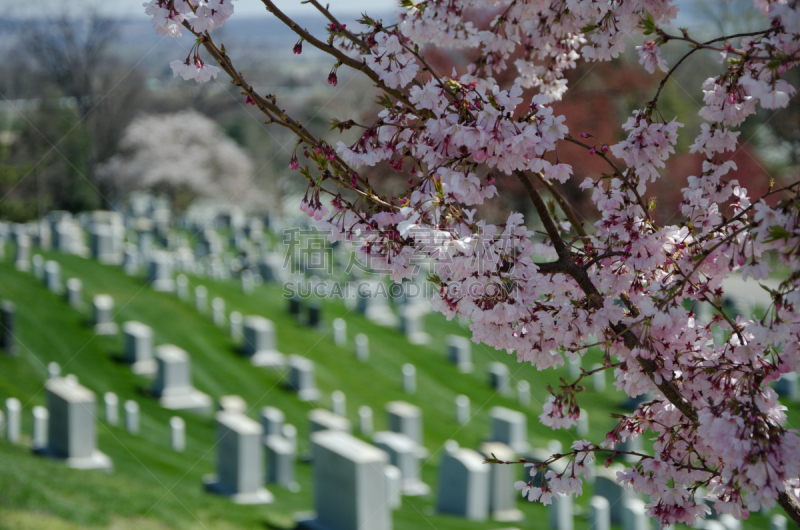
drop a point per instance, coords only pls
(777, 232)
(385, 101)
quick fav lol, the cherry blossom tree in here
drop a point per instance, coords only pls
(180, 153)
(627, 284)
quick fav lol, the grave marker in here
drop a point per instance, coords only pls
(173, 384)
(510, 427)
(73, 295)
(52, 276)
(132, 417)
(272, 420)
(365, 423)
(103, 306)
(349, 485)
(459, 352)
(362, 347)
(462, 409)
(403, 452)
(177, 434)
(72, 426)
(301, 378)
(239, 460)
(409, 379)
(111, 408)
(502, 495)
(280, 462)
(13, 420)
(39, 428)
(7, 321)
(463, 484)
(259, 343)
(499, 379)
(138, 348)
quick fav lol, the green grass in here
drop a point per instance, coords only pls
(154, 487)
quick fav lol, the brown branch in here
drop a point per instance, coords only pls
(562, 202)
(335, 52)
(349, 34)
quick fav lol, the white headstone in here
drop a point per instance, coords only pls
(232, 403)
(239, 460)
(411, 326)
(510, 427)
(201, 299)
(235, 326)
(38, 267)
(349, 484)
(463, 485)
(130, 260)
(373, 302)
(325, 420)
(289, 433)
(111, 406)
(103, 314)
(177, 434)
(218, 312)
(339, 332)
(39, 429)
(403, 453)
(52, 276)
(560, 513)
(22, 255)
(159, 274)
(132, 417)
(362, 347)
(72, 426)
(405, 418)
(788, 386)
(409, 379)
(634, 515)
(574, 367)
(339, 403)
(523, 393)
(280, 462)
(182, 287)
(173, 384)
(777, 522)
(598, 378)
(502, 495)
(459, 352)
(74, 296)
(259, 343)
(582, 424)
(599, 513)
(729, 522)
(499, 379)
(301, 378)
(53, 369)
(248, 283)
(462, 410)
(138, 344)
(394, 486)
(13, 420)
(365, 423)
(272, 420)
(605, 485)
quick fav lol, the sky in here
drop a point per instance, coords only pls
(133, 8)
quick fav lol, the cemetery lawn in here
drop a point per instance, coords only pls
(154, 487)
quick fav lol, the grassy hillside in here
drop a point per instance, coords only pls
(154, 487)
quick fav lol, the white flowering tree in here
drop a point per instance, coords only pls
(620, 284)
(185, 153)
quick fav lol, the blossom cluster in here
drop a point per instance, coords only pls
(715, 423)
